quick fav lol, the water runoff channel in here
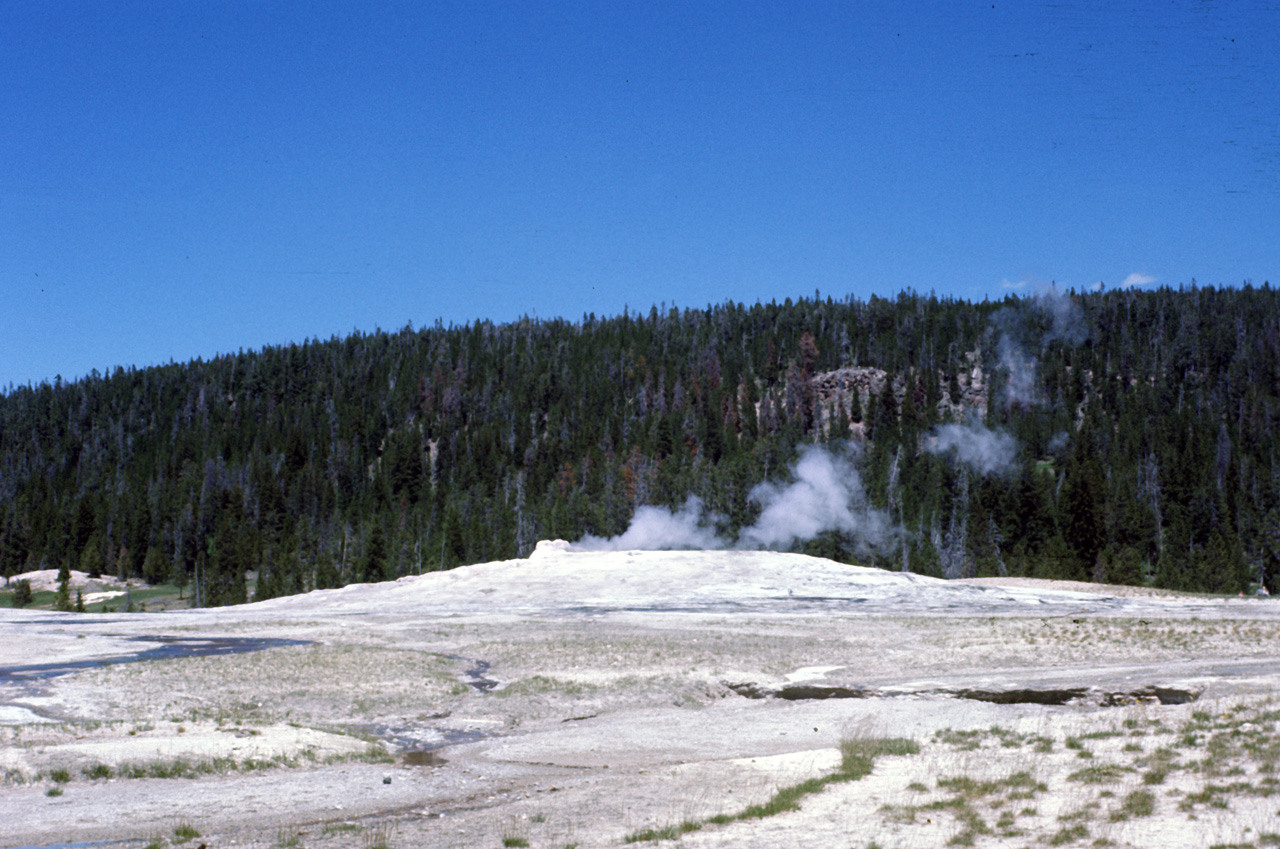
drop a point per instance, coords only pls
(419, 746)
(21, 680)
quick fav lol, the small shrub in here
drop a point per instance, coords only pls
(97, 771)
(53, 791)
(61, 776)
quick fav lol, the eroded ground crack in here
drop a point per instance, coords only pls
(1048, 696)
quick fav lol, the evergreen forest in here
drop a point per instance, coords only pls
(1125, 436)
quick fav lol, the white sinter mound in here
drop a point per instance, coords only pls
(558, 577)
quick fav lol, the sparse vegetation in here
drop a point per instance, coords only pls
(184, 831)
(1021, 785)
(377, 836)
(857, 758)
(97, 771)
(1238, 748)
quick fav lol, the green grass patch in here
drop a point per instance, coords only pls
(1023, 784)
(666, 832)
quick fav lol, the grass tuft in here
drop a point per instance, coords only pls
(184, 831)
(1139, 803)
(1069, 834)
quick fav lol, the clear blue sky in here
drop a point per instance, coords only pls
(182, 179)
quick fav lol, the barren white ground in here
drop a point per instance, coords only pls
(585, 699)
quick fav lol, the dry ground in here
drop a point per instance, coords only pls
(472, 710)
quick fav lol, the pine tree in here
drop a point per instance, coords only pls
(22, 595)
(63, 600)
(1083, 513)
(374, 566)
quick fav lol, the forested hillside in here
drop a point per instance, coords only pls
(1126, 436)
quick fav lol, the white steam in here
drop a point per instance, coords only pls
(986, 451)
(1063, 321)
(825, 493)
(1022, 384)
(1065, 318)
(657, 528)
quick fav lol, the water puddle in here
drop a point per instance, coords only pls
(1083, 696)
(420, 745)
(422, 759)
(802, 692)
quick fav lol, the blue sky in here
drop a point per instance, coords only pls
(184, 179)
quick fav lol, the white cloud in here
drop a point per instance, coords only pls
(1010, 284)
(1137, 279)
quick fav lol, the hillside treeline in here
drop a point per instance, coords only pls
(1124, 436)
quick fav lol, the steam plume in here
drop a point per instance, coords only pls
(657, 528)
(825, 493)
(986, 451)
(1064, 317)
(1062, 321)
